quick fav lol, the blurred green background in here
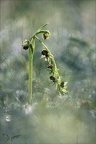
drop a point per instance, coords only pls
(52, 118)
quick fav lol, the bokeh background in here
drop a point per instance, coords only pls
(52, 118)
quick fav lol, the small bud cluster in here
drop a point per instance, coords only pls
(54, 75)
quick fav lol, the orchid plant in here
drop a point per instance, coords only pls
(47, 55)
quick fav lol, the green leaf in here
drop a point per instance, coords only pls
(41, 28)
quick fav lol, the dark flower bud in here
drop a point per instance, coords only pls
(45, 35)
(50, 66)
(26, 44)
(62, 84)
(52, 78)
(45, 53)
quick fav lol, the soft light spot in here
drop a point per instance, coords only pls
(28, 109)
(8, 118)
(93, 92)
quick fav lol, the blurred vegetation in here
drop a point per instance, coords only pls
(73, 43)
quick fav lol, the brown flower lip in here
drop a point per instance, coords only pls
(45, 53)
(62, 84)
(45, 35)
(50, 66)
(25, 47)
(52, 78)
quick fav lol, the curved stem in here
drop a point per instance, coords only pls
(43, 44)
(52, 57)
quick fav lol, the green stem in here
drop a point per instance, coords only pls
(43, 44)
(52, 57)
(30, 76)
